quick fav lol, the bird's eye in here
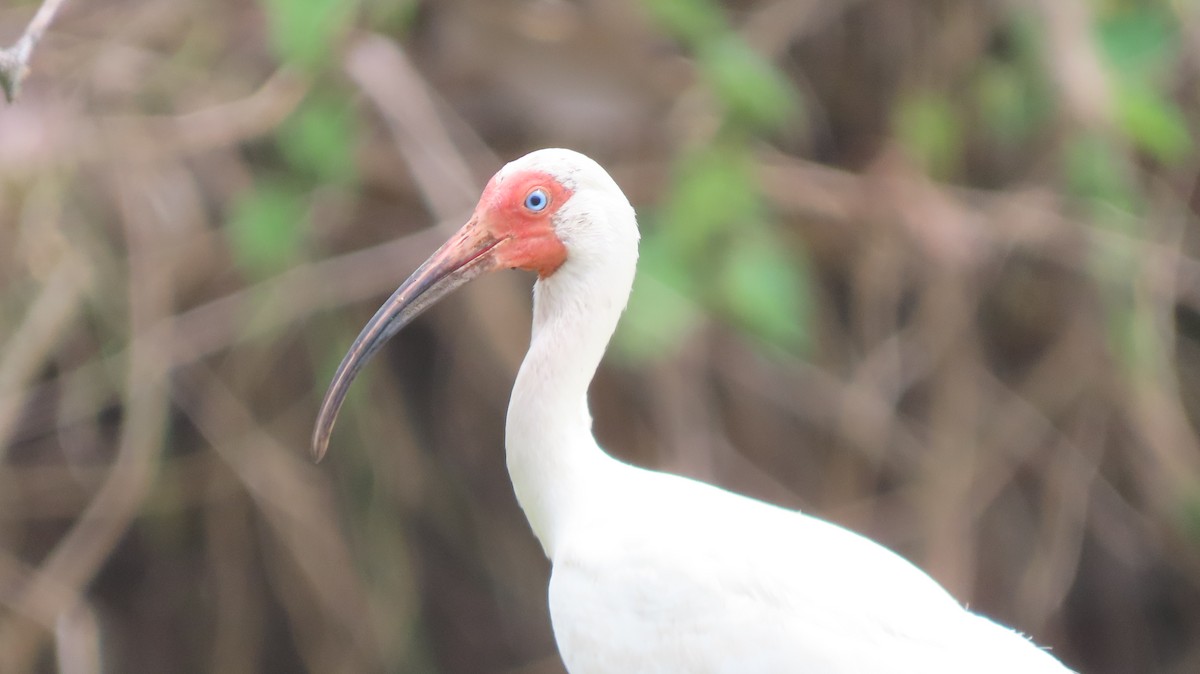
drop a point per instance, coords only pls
(537, 200)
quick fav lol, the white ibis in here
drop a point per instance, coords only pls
(655, 572)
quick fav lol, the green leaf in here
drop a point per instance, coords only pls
(928, 127)
(391, 16)
(320, 138)
(1153, 123)
(1139, 43)
(767, 290)
(752, 90)
(303, 31)
(1009, 106)
(1026, 34)
(693, 21)
(267, 226)
(1188, 513)
(661, 310)
(1096, 170)
(714, 188)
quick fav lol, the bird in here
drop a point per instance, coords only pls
(650, 571)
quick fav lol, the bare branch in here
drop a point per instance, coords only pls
(388, 78)
(14, 61)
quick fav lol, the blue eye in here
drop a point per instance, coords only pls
(537, 200)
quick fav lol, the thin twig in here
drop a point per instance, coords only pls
(293, 498)
(14, 61)
(74, 561)
(214, 326)
(31, 344)
(75, 629)
(388, 78)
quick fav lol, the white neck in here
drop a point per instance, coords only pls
(553, 459)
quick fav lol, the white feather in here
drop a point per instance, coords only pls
(658, 573)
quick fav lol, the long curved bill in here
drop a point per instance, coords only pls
(467, 255)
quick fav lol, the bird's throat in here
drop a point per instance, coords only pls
(553, 459)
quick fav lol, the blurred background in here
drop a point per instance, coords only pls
(928, 269)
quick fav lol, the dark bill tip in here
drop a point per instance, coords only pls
(458, 261)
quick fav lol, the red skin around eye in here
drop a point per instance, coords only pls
(530, 242)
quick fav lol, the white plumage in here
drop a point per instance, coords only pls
(653, 572)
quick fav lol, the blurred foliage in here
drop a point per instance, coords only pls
(320, 139)
(267, 227)
(989, 209)
(317, 142)
(1011, 104)
(928, 126)
(391, 16)
(303, 32)
(710, 241)
(1140, 43)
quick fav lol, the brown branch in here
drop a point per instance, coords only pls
(213, 326)
(381, 68)
(80, 552)
(14, 61)
(295, 501)
(31, 344)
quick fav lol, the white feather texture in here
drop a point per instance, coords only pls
(658, 573)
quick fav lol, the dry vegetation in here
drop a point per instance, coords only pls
(928, 269)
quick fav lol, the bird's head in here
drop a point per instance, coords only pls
(554, 212)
